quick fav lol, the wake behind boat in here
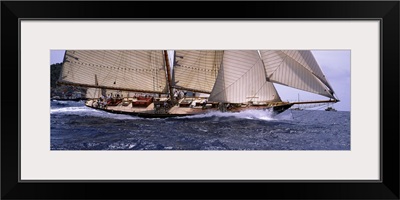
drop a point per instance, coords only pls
(142, 83)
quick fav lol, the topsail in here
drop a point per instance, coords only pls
(196, 70)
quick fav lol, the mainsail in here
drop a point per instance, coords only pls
(297, 69)
(126, 70)
(196, 70)
(242, 79)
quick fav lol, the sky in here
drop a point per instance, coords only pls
(334, 64)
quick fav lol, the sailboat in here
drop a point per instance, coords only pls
(143, 83)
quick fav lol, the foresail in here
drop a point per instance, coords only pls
(297, 69)
(242, 79)
(196, 70)
(128, 70)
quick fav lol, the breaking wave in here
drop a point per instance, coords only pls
(86, 111)
(248, 114)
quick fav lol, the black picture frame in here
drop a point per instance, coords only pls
(386, 11)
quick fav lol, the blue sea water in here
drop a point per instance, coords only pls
(77, 127)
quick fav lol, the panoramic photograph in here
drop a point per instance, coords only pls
(200, 100)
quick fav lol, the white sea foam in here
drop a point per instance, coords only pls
(248, 114)
(86, 111)
(70, 110)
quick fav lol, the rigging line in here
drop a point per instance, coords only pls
(225, 88)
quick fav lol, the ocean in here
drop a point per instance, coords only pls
(77, 127)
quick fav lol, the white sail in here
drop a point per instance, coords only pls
(127, 70)
(297, 69)
(196, 70)
(242, 79)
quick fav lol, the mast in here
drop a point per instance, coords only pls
(171, 93)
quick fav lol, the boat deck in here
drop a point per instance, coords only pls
(179, 110)
(128, 108)
(122, 108)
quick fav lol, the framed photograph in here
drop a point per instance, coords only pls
(116, 98)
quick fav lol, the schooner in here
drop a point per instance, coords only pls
(143, 83)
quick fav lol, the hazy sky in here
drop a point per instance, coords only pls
(334, 64)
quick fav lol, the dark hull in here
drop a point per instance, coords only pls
(276, 110)
(281, 108)
(143, 115)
